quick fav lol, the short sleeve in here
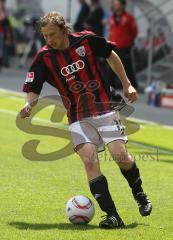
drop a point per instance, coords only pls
(36, 76)
(101, 47)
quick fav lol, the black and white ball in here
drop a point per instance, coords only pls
(80, 209)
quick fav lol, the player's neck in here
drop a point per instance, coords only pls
(66, 42)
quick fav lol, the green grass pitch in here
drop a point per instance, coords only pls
(33, 194)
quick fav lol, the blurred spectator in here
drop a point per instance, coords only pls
(105, 23)
(94, 21)
(28, 31)
(5, 35)
(16, 21)
(82, 15)
(140, 54)
(160, 46)
(123, 31)
(32, 39)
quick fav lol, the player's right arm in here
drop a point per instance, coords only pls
(36, 76)
(30, 101)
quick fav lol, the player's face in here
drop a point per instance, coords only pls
(54, 36)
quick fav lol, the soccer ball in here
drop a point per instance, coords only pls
(80, 209)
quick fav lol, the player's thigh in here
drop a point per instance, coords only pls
(83, 132)
(118, 150)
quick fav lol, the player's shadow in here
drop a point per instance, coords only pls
(62, 226)
(134, 225)
(48, 226)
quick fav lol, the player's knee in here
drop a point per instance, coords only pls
(89, 156)
(122, 158)
(90, 162)
(119, 154)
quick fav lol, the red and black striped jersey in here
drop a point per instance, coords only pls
(76, 73)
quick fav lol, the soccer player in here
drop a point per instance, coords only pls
(69, 62)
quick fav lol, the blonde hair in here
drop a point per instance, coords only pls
(55, 18)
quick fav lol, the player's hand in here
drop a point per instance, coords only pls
(130, 93)
(26, 111)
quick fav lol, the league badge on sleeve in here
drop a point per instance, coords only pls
(30, 77)
(81, 51)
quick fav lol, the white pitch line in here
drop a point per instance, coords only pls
(11, 112)
(149, 122)
(3, 90)
(40, 120)
(154, 148)
(16, 98)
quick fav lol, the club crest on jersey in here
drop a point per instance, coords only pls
(81, 51)
(29, 77)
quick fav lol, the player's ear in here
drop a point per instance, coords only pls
(65, 31)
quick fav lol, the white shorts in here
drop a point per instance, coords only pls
(98, 130)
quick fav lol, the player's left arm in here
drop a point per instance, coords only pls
(115, 63)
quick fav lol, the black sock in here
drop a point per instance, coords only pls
(133, 178)
(100, 191)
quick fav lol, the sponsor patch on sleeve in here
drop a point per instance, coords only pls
(29, 77)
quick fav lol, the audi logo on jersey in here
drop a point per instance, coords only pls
(72, 68)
